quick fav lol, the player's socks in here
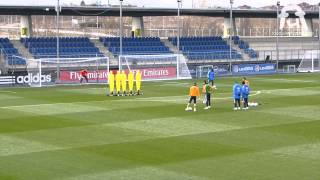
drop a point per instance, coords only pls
(188, 107)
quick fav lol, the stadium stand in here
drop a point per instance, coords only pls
(70, 47)
(11, 54)
(244, 46)
(205, 48)
(141, 45)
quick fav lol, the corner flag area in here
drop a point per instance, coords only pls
(78, 132)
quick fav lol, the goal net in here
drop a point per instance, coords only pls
(202, 71)
(156, 67)
(310, 62)
(51, 71)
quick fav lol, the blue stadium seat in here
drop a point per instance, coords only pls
(136, 45)
(69, 47)
(11, 53)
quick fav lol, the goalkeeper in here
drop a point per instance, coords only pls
(111, 83)
(118, 83)
(130, 82)
(84, 75)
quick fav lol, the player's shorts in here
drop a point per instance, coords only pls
(208, 95)
(194, 99)
(236, 99)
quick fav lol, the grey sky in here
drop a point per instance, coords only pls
(159, 3)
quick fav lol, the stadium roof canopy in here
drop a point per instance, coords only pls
(141, 11)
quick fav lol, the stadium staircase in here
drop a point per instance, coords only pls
(245, 56)
(10, 54)
(23, 50)
(211, 48)
(244, 47)
(135, 46)
(70, 47)
(99, 44)
(173, 48)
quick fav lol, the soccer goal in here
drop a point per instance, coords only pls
(202, 71)
(156, 67)
(51, 71)
(310, 62)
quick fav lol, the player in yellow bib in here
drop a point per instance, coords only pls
(138, 82)
(111, 83)
(124, 82)
(130, 82)
(118, 82)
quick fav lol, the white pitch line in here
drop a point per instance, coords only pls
(8, 92)
(284, 80)
(181, 98)
(148, 99)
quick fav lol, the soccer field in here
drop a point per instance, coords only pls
(77, 132)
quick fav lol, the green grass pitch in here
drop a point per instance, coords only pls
(77, 132)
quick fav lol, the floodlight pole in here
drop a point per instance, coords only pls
(277, 35)
(231, 30)
(178, 37)
(58, 46)
(231, 34)
(178, 34)
(121, 29)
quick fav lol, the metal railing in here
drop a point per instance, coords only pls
(157, 32)
(291, 54)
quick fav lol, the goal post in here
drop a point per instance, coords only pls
(51, 71)
(156, 67)
(310, 62)
(202, 71)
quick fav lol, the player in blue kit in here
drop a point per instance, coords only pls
(211, 77)
(245, 91)
(237, 96)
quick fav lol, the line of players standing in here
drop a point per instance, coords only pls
(207, 89)
(239, 92)
(120, 80)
